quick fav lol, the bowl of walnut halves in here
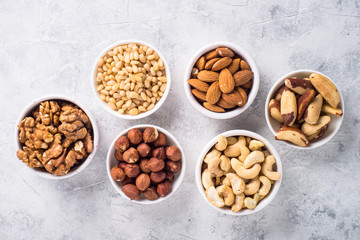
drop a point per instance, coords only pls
(56, 137)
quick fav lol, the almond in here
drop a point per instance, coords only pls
(234, 66)
(214, 93)
(213, 107)
(243, 95)
(210, 63)
(224, 104)
(233, 98)
(221, 63)
(226, 81)
(210, 55)
(244, 65)
(242, 77)
(224, 52)
(247, 85)
(196, 83)
(199, 94)
(200, 64)
(208, 76)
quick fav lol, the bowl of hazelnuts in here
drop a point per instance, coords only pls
(145, 164)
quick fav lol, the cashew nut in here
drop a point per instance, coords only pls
(221, 143)
(266, 185)
(237, 183)
(252, 158)
(239, 202)
(231, 140)
(225, 164)
(206, 179)
(267, 168)
(255, 145)
(227, 193)
(248, 139)
(243, 172)
(252, 187)
(226, 182)
(213, 197)
(251, 203)
(210, 155)
(213, 167)
(244, 153)
(234, 150)
(242, 140)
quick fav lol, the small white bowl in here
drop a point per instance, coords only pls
(106, 106)
(244, 55)
(274, 189)
(74, 170)
(334, 125)
(111, 162)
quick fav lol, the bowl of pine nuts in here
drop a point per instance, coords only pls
(131, 79)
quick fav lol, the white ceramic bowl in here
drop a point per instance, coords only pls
(106, 106)
(277, 166)
(74, 170)
(171, 141)
(335, 120)
(244, 55)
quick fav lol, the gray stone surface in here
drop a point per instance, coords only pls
(50, 46)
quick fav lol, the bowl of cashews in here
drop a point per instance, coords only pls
(238, 172)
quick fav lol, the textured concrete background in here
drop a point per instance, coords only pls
(50, 47)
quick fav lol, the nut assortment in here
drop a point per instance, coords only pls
(131, 78)
(56, 136)
(146, 164)
(221, 80)
(302, 106)
(237, 173)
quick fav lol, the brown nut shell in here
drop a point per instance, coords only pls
(135, 136)
(131, 155)
(119, 155)
(144, 165)
(160, 153)
(132, 170)
(169, 176)
(160, 141)
(143, 149)
(131, 191)
(142, 181)
(164, 188)
(151, 193)
(173, 167)
(122, 143)
(158, 177)
(173, 153)
(117, 174)
(122, 165)
(128, 180)
(156, 164)
(150, 134)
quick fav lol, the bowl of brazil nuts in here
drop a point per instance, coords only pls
(57, 137)
(238, 172)
(131, 79)
(145, 164)
(221, 80)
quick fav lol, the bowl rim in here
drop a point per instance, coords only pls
(127, 116)
(179, 178)
(276, 86)
(254, 90)
(275, 188)
(25, 112)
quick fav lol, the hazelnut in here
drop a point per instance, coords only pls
(157, 177)
(119, 155)
(159, 153)
(173, 167)
(117, 174)
(122, 165)
(164, 188)
(142, 181)
(151, 193)
(132, 170)
(122, 143)
(173, 153)
(131, 155)
(128, 180)
(143, 149)
(160, 141)
(135, 136)
(156, 164)
(131, 191)
(169, 176)
(144, 165)
(150, 134)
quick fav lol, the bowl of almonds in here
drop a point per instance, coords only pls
(304, 109)
(221, 80)
(131, 79)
